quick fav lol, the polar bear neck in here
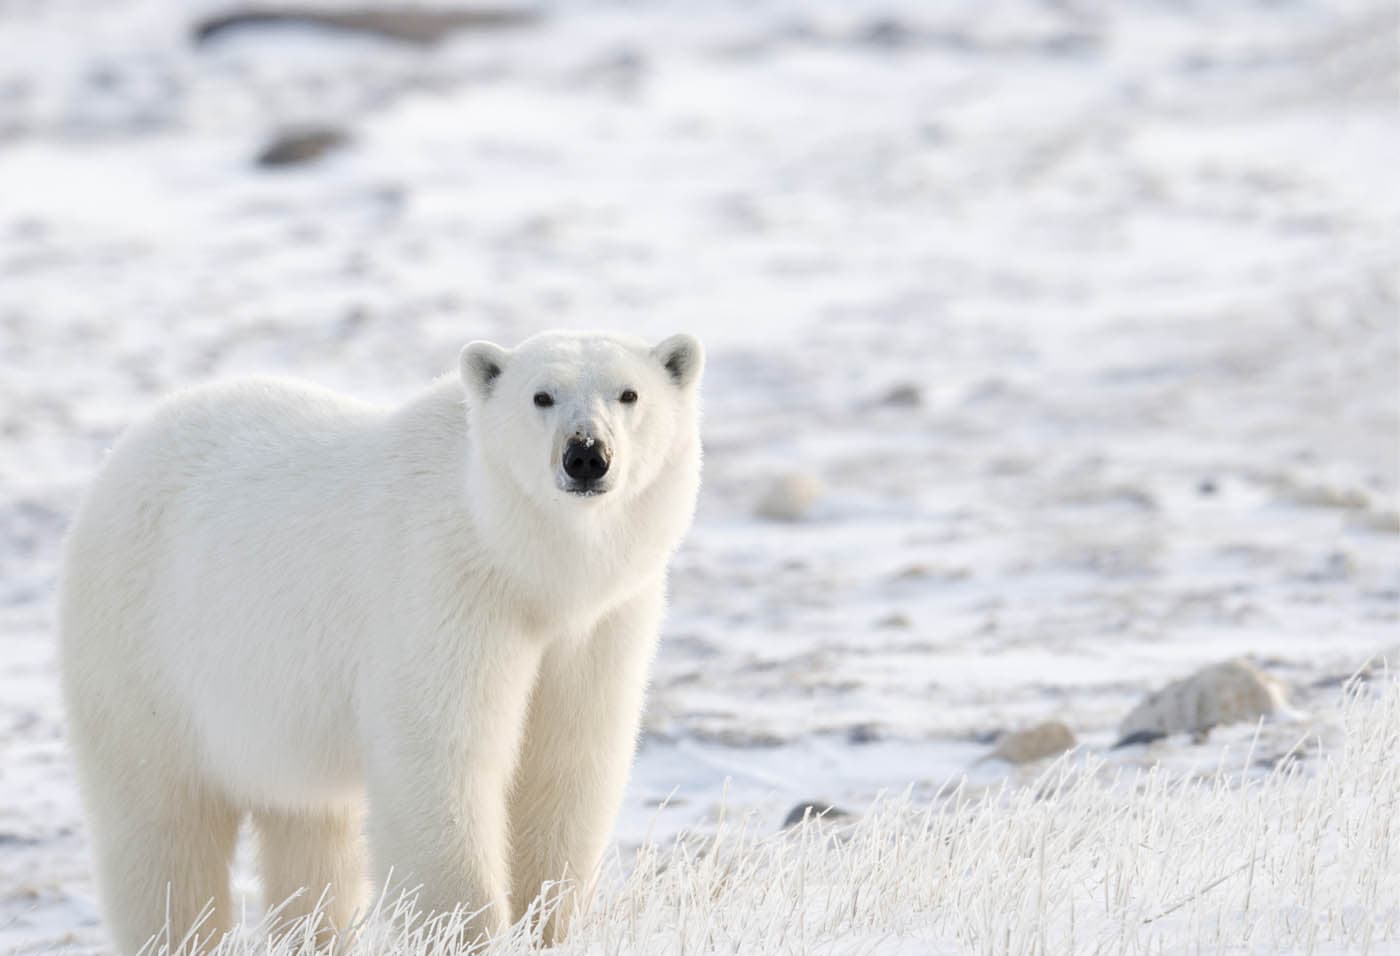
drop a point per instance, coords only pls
(580, 566)
(561, 565)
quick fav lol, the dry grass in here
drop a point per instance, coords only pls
(1300, 859)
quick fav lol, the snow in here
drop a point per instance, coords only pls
(1136, 264)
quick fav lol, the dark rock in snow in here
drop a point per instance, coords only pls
(421, 25)
(904, 395)
(863, 734)
(815, 809)
(1139, 737)
(888, 32)
(294, 147)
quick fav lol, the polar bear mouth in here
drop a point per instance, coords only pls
(585, 491)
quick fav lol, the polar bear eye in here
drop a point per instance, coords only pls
(543, 399)
(628, 397)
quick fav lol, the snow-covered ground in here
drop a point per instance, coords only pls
(1083, 316)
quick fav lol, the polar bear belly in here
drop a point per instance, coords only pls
(256, 638)
(267, 727)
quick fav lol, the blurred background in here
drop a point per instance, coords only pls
(1053, 346)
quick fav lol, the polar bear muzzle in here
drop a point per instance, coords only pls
(586, 462)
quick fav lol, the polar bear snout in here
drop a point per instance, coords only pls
(586, 462)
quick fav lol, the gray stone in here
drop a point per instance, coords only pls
(293, 147)
(420, 25)
(1226, 693)
(1048, 739)
(903, 395)
(789, 497)
(813, 810)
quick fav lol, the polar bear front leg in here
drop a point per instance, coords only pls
(579, 742)
(440, 764)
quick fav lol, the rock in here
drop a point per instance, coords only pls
(1139, 737)
(789, 498)
(897, 620)
(946, 574)
(15, 839)
(421, 25)
(1048, 739)
(1226, 693)
(1384, 520)
(292, 147)
(903, 395)
(623, 70)
(863, 734)
(888, 32)
(1322, 493)
(813, 810)
(1385, 662)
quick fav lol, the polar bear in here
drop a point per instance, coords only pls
(283, 603)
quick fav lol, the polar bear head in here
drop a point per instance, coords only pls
(581, 419)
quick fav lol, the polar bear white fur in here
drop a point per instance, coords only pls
(281, 602)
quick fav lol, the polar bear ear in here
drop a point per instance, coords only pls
(482, 363)
(683, 358)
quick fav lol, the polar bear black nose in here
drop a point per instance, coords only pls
(586, 459)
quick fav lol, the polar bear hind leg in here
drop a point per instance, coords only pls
(163, 851)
